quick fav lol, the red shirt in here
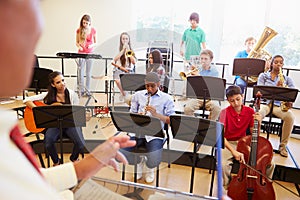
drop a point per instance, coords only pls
(236, 124)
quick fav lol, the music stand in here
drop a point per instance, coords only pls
(141, 125)
(199, 131)
(133, 82)
(205, 87)
(275, 93)
(61, 116)
(248, 67)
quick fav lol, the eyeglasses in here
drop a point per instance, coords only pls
(152, 85)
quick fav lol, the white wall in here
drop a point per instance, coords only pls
(62, 18)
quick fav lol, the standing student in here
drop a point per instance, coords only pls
(193, 38)
(124, 62)
(59, 93)
(160, 105)
(21, 178)
(85, 42)
(206, 69)
(249, 44)
(192, 42)
(274, 77)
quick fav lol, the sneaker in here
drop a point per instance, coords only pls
(56, 164)
(149, 178)
(283, 151)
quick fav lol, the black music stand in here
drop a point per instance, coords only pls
(199, 131)
(205, 87)
(61, 116)
(141, 125)
(275, 93)
(248, 67)
(133, 82)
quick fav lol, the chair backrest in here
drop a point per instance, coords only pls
(199, 130)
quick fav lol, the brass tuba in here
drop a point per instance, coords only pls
(259, 52)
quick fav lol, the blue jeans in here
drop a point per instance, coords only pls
(53, 134)
(154, 149)
(241, 83)
(81, 62)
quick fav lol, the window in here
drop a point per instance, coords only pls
(226, 24)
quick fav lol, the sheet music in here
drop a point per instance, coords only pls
(90, 190)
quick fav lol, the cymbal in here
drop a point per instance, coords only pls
(106, 78)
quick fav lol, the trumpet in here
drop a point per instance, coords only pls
(184, 75)
(129, 53)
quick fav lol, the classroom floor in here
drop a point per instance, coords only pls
(177, 177)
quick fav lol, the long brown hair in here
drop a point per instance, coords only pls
(83, 31)
(50, 98)
(123, 58)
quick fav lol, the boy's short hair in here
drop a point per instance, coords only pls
(207, 52)
(233, 90)
(250, 39)
(194, 16)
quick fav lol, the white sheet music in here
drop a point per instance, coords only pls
(90, 190)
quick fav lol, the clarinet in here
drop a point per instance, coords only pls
(147, 104)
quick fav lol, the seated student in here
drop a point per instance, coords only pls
(158, 104)
(249, 45)
(59, 93)
(207, 69)
(237, 119)
(156, 65)
(274, 77)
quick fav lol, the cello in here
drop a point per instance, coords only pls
(258, 151)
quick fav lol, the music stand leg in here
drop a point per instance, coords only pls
(270, 119)
(61, 161)
(193, 167)
(135, 194)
